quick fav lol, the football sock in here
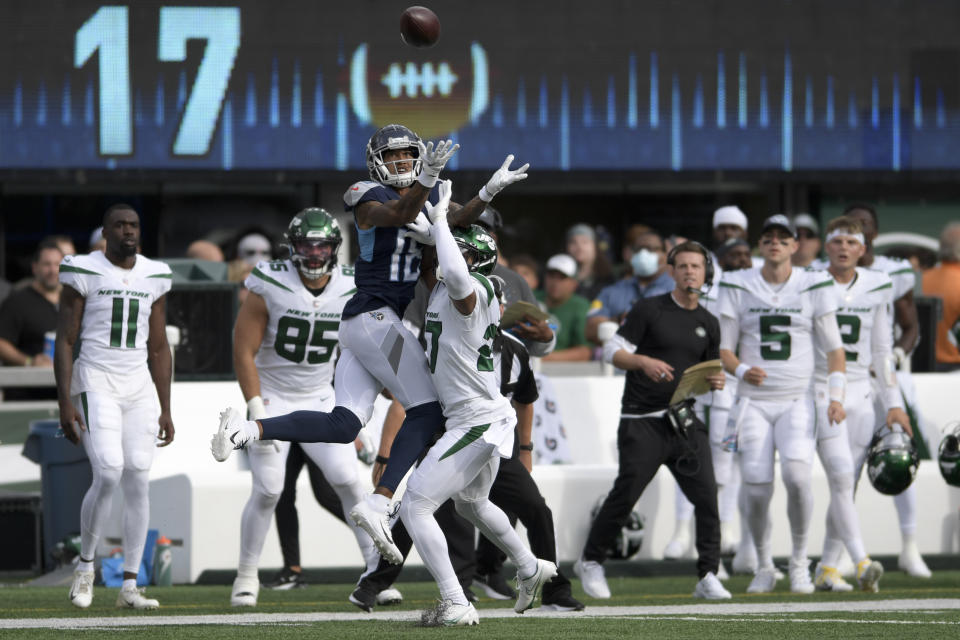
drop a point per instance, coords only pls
(135, 485)
(415, 434)
(758, 507)
(339, 425)
(254, 525)
(842, 520)
(494, 524)
(85, 566)
(906, 503)
(129, 583)
(417, 514)
(796, 479)
(95, 508)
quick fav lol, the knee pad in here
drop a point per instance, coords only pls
(839, 474)
(758, 493)
(108, 477)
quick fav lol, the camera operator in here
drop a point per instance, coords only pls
(660, 338)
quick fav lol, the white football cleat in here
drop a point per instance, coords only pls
(912, 562)
(869, 573)
(459, 615)
(800, 577)
(245, 591)
(529, 588)
(133, 598)
(229, 435)
(764, 581)
(81, 591)
(592, 578)
(389, 596)
(377, 525)
(829, 579)
(709, 588)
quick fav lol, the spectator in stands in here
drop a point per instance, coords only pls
(630, 238)
(943, 281)
(808, 240)
(650, 278)
(594, 271)
(567, 309)
(205, 250)
(527, 267)
(728, 222)
(28, 314)
(97, 241)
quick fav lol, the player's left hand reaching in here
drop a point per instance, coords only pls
(433, 160)
(166, 430)
(503, 178)
(438, 212)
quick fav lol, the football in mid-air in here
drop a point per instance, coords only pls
(419, 27)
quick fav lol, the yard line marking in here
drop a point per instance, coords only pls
(694, 611)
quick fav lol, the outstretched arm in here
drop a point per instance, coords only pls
(501, 179)
(161, 366)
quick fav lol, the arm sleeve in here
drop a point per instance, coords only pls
(455, 273)
(729, 333)
(828, 331)
(614, 344)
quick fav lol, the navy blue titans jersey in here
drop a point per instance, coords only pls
(389, 262)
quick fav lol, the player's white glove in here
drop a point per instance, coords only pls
(503, 178)
(366, 449)
(899, 357)
(421, 230)
(438, 212)
(433, 160)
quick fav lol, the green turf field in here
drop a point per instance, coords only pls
(658, 607)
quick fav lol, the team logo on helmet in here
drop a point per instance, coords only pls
(478, 248)
(313, 238)
(892, 462)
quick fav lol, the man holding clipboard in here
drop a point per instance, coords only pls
(660, 338)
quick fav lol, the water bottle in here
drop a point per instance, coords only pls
(163, 563)
(49, 342)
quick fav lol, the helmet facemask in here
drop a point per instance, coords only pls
(314, 257)
(479, 249)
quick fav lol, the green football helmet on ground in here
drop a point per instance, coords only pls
(892, 461)
(630, 537)
(478, 247)
(313, 238)
(949, 456)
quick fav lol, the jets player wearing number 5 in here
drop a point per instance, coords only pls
(462, 320)
(773, 313)
(864, 297)
(114, 303)
(377, 351)
(284, 345)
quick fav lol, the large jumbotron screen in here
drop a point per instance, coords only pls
(655, 85)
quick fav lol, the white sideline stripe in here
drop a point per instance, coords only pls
(697, 610)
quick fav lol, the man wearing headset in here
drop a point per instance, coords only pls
(661, 337)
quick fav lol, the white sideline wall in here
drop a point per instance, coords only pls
(198, 500)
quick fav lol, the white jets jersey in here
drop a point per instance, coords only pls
(297, 353)
(116, 313)
(902, 275)
(857, 304)
(776, 326)
(461, 358)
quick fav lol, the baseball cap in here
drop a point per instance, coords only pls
(730, 215)
(806, 221)
(778, 221)
(564, 264)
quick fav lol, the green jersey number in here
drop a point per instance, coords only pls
(849, 333)
(116, 323)
(774, 341)
(293, 335)
(485, 351)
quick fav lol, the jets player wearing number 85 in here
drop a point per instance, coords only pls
(773, 313)
(284, 345)
(462, 320)
(113, 302)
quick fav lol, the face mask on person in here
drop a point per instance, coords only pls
(645, 263)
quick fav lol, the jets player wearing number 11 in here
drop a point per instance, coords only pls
(462, 320)
(773, 314)
(284, 345)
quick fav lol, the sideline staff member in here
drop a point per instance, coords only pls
(660, 338)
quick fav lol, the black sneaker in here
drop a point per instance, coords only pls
(561, 602)
(470, 595)
(285, 580)
(494, 585)
(364, 598)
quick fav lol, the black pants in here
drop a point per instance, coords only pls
(288, 523)
(460, 538)
(515, 491)
(645, 444)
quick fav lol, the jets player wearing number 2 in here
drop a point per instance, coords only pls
(113, 302)
(863, 297)
(284, 345)
(377, 350)
(773, 314)
(462, 320)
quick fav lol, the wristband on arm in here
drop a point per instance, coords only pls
(837, 386)
(741, 370)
